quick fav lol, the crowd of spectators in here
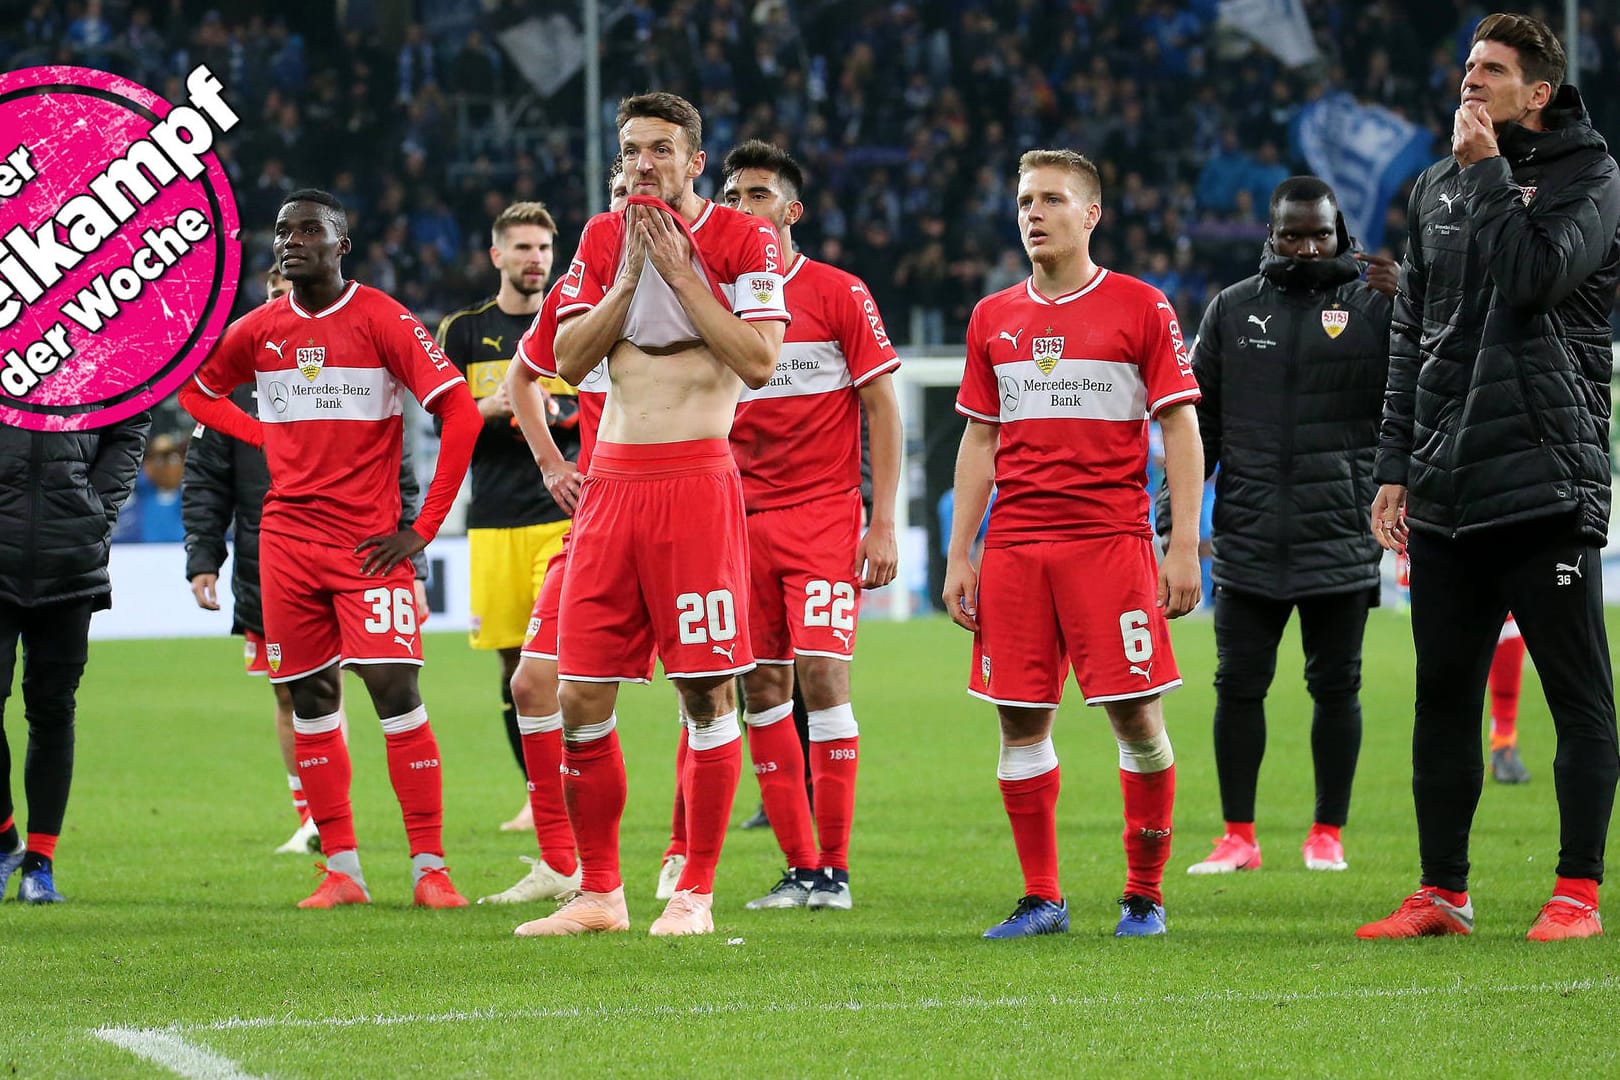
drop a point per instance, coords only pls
(909, 115)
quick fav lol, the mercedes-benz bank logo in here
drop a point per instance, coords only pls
(1009, 393)
(278, 396)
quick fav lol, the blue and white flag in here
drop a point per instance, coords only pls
(1278, 26)
(1365, 152)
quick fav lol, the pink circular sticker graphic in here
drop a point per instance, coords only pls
(119, 256)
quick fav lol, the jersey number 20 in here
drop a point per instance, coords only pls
(706, 617)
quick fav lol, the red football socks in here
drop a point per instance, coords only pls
(677, 819)
(1032, 810)
(44, 845)
(542, 760)
(300, 804)
(713, 768)
(413, 766)
(1149, 800)
(1507, 675)
(832, 774)
(1583, 889)
(594, 792)
(324, 771)
(779, 764)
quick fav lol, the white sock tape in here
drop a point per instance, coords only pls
(320, 725)
(1027, 762)
(770, 716)
(716, 733)
(399, 725)
(592, 732)
(536, 725)
(1147, 755)
(838, 722)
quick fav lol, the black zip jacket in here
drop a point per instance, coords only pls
(60, 493)
(1292, 373)
(1497, 409)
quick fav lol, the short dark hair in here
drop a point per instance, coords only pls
(1541, 55)
(759, 154)
(1307, 189)
(321, 198)
(660, 105)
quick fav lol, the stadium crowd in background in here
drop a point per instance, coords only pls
(909, 118)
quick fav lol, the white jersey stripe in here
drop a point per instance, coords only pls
(369, 394)
(804, 368)
(1071, 390)
(1183, 395)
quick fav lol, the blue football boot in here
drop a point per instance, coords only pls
(1032, 916)
(8, 866)
(1139, 917)
(38, 888)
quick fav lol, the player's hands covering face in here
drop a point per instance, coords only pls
(667, 246)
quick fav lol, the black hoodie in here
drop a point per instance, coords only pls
(1497, 409)
(1291, 363)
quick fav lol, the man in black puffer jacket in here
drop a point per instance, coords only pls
(1495, 443)
(60, 493)
(1292, 363)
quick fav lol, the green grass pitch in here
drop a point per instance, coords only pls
(181, 932)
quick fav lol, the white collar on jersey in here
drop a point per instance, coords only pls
(348, 294)
(1068, 297)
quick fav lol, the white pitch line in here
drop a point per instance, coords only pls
(622, 1012)
(165, 1047)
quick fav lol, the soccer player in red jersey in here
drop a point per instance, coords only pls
(797, 441)
(1064, 371)
(555, 875)
(331, 362)
(684, 298)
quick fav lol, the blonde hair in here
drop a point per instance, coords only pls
(1072, 160)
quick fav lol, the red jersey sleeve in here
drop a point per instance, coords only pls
(409, 351)
(1165, 360)
(752, 272)
(595, 264)
(230, 364)
(977, 398)
(537, 346)
(863, 337)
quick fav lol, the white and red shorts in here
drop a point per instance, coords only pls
(253, 658)
(540, 639)
(659, 560)
(320, 610)
(1088, 603)
(804, 592)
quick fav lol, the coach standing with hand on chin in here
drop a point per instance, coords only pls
(1495, 452)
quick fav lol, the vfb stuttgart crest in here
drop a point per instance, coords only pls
(311, 360)
(1334, 320)
(1047, 351)
(763, 289)
(272, 653)
(984, 670)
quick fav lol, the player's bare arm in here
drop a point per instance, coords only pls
(529, 405)
(1180, 579)
(747, 348)
(975, 475)
(878, 556)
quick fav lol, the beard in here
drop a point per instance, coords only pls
(522, 287)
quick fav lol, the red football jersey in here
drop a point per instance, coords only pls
(741, 254)
(1072, 381)
(330, 399)
(799, 437)
(536, 349)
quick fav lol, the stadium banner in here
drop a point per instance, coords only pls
(1365, 152)
(1281, 27)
